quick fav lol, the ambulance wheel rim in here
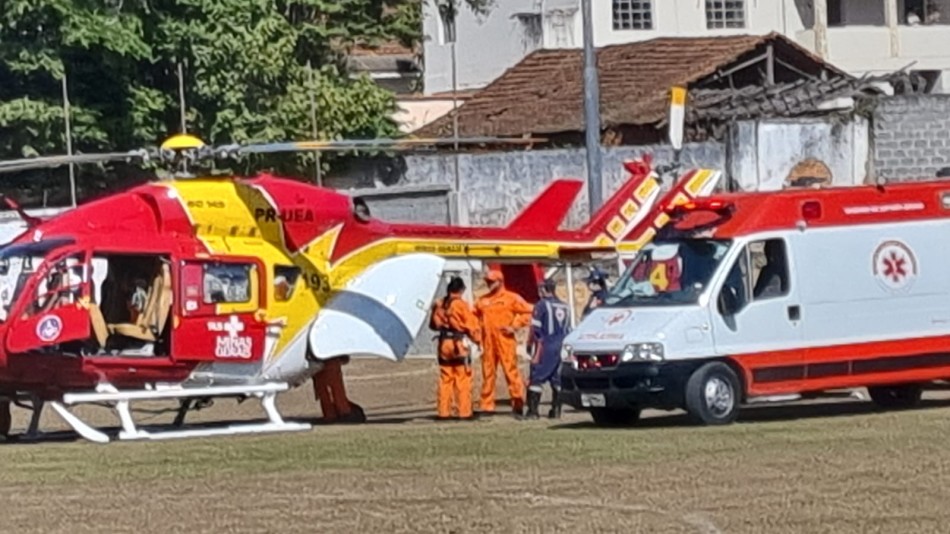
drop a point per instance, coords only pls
(719, 396)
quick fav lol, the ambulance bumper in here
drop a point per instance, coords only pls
(627, 386)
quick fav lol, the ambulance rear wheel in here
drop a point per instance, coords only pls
(896, 397)
(712, 394)
(614, 417)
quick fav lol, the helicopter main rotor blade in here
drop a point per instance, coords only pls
(24, 164)
(374, 144)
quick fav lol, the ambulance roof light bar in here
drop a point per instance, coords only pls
(720, 207)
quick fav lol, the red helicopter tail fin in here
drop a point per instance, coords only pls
(548, 210)
(627, 207)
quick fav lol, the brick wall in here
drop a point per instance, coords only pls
(911, 136)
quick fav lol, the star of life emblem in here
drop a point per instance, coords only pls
(894, 266)
(617, 318)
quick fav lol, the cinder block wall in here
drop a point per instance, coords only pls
(911, 136)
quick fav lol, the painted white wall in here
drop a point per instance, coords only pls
(487, 46)
(766, 151)
(414, 114)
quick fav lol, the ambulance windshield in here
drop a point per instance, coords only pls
(668, 273)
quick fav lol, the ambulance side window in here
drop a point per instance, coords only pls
(734, 294)
(769, 268)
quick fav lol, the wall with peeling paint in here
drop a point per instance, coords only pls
(764, 152)
(494, 187)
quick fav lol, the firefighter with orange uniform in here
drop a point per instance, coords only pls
(454, 320)
(502, 313)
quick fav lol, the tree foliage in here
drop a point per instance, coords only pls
(252, 71)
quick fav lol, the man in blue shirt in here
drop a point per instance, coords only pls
(550, 323)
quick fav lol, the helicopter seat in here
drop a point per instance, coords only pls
(150, 324)
(99, 327)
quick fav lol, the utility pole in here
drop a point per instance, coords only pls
(452, 37)
(69, 142)
(595, 185)
(313, 121)
(181, 98)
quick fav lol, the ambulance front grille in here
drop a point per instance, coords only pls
(589, 362)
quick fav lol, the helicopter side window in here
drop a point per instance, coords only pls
(62, 286)
(227, 283)
(285, 281)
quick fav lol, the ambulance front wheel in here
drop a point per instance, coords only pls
(896, 397)
(712, 394)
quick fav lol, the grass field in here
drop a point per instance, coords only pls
(833, 467)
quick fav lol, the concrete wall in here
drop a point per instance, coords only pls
(495, 187)
(911, 136)
(766, 153)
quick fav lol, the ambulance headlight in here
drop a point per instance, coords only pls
(643, 352)
(567, 352)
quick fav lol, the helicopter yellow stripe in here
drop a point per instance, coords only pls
(222, 214)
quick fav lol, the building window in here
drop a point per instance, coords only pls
(633, 14)
(447, 17)
(725, 14)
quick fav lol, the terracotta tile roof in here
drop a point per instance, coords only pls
(544, 92)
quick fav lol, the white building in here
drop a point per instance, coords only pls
(859, 36)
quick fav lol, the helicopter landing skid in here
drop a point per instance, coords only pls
(267, 393)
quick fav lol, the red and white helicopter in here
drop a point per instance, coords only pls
(245, 286)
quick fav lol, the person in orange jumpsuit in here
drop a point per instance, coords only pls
(455, 320)
(502, 313)
(330, 390)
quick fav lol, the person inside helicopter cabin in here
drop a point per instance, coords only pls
(137, 299)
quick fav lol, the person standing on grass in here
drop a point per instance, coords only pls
(550, 324)
(455, 321)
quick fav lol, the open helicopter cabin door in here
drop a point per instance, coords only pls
(220, 303)
(51, 307)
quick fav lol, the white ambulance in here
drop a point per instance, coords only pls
(768, 296)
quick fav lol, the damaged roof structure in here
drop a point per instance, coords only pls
(727, 78)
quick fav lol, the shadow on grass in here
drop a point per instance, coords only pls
(763, 414)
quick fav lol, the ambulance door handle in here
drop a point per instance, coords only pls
(794, 313)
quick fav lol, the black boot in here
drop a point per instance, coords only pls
(534, 399)
(555, 412)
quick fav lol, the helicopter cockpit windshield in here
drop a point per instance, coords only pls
(18, 263)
